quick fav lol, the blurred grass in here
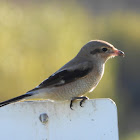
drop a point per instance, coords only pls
(36, 40)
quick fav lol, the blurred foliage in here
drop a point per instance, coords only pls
(36, 40)
(133, 136)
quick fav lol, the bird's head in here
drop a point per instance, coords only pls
(100, 50)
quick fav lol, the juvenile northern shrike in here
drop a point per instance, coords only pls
(79, 76)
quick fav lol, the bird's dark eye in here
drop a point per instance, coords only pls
(104, 49)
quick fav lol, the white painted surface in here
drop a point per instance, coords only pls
(97, 120)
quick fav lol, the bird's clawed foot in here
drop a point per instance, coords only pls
(83, 98)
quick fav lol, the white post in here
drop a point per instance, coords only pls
(45, 120)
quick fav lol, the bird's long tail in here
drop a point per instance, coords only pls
(15, 99)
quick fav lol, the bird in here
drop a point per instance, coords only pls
(76, 78)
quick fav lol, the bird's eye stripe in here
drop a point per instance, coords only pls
(98, 51)
(104, 49)
(95, 51)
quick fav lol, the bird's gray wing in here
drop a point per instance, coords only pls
(65, 76)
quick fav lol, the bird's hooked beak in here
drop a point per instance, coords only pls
(117, 52)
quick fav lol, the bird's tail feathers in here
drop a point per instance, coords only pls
(15, 99)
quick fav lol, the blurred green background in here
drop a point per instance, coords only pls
(38, 37)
